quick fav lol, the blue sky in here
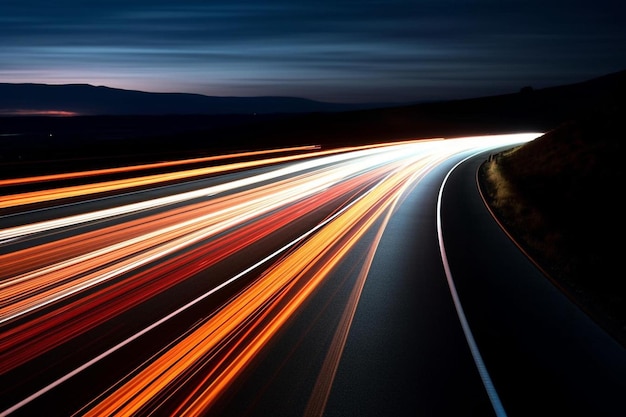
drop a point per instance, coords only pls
(341, 51)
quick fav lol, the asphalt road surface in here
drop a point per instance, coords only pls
(361, 281)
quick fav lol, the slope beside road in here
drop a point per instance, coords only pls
(558, 198)
(543, 352)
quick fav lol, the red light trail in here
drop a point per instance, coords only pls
(64, 285)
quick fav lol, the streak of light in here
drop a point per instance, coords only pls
(12, 298)
(32, 338)
(321, 390)
(333, 156)
(255, 315)
(178, 311)
(133, 168)
(34, 112)
(82, 280)
(116, 185)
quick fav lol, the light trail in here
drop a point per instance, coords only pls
(321, 390)
(53, 292)
(31, 338)
(133, 182)
(133, 168)
(47, 195)
(329, 157)
(196, 225)
(306, 267)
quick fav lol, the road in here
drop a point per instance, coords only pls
(292, 282)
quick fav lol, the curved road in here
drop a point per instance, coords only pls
(362, 281)
(544, 353)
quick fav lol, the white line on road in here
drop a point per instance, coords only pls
(478, 360)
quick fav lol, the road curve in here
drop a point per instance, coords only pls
(544, 354)
(302, 284)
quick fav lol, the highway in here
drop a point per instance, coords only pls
(300, 281)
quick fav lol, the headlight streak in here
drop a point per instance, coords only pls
(321, 389)
(115, 185)
(126, 169)
(126, 264)
(148, 247)
(255, 308)
(168, 317)
(306, 266)
(30, 339)
(330, 157)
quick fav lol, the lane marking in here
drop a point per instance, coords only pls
(478, 360)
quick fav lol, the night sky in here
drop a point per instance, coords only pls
(337, 50)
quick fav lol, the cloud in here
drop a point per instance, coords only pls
(327, 49)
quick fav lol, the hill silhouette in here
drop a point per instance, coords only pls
(29, 141)
(89, 100)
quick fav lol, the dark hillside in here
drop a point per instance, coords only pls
(527, 110)
(565, 206)
(85, 99)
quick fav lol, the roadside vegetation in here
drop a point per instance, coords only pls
(559, 196)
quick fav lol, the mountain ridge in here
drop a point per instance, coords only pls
(145, 137)
(88, 99)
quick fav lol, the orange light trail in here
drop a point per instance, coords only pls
(22, 294)
(324, 158)
(47, 195)
(142, 167)
(142, 247)
(257, 313)
(55, 291)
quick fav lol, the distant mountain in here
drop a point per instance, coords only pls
(84, 99)
(152, 135)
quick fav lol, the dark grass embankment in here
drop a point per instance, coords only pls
(560, 196)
